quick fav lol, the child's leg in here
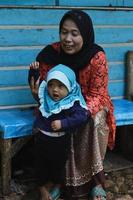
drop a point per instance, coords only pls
(49, 191)
(45, 195)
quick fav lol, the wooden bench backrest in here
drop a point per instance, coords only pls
(24, 31)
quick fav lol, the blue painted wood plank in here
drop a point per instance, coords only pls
(24, 56)
(30, 16)
(16, 122)
(117, 53)
(116, 89)
(117, 71)
(111, 17)
(114, 34)
(15, 97)
(13, 78)
(123, 110)
(47, 35)
(20, 77)
(53, 16)
(23, 96)
(28, 37)
(25, 2)
(128, 3)
(18, 56)
(91, 3)
(69, 3)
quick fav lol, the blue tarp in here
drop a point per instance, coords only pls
(123, 110)
(16, 123)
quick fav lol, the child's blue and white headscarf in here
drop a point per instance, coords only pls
(65, 75)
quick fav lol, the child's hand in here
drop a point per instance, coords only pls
(56, 125)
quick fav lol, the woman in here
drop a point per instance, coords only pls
(76, 49)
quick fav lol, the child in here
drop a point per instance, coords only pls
(62, 110)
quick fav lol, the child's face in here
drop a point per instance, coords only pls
(57, 90)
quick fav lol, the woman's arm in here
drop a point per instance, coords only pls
(96, 91)
(75, 118)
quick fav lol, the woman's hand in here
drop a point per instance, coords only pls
(34, 65)
(34, 86)
(34, 79)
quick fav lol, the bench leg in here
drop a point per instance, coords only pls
(6, 165)
(126, 142)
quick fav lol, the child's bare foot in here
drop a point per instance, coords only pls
(45, 193)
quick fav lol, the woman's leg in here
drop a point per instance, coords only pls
(100, 141)
(78, 166)
(84, 168)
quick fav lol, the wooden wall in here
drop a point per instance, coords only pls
(27, 26)
(74, 3)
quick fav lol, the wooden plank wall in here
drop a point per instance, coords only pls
(26, 29)
(96, 3)
(29, 2)
(74, 3)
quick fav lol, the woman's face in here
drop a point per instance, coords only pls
(70, 37)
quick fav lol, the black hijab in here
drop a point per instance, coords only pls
(79, 60)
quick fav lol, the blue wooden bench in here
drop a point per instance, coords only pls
(32, 29)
